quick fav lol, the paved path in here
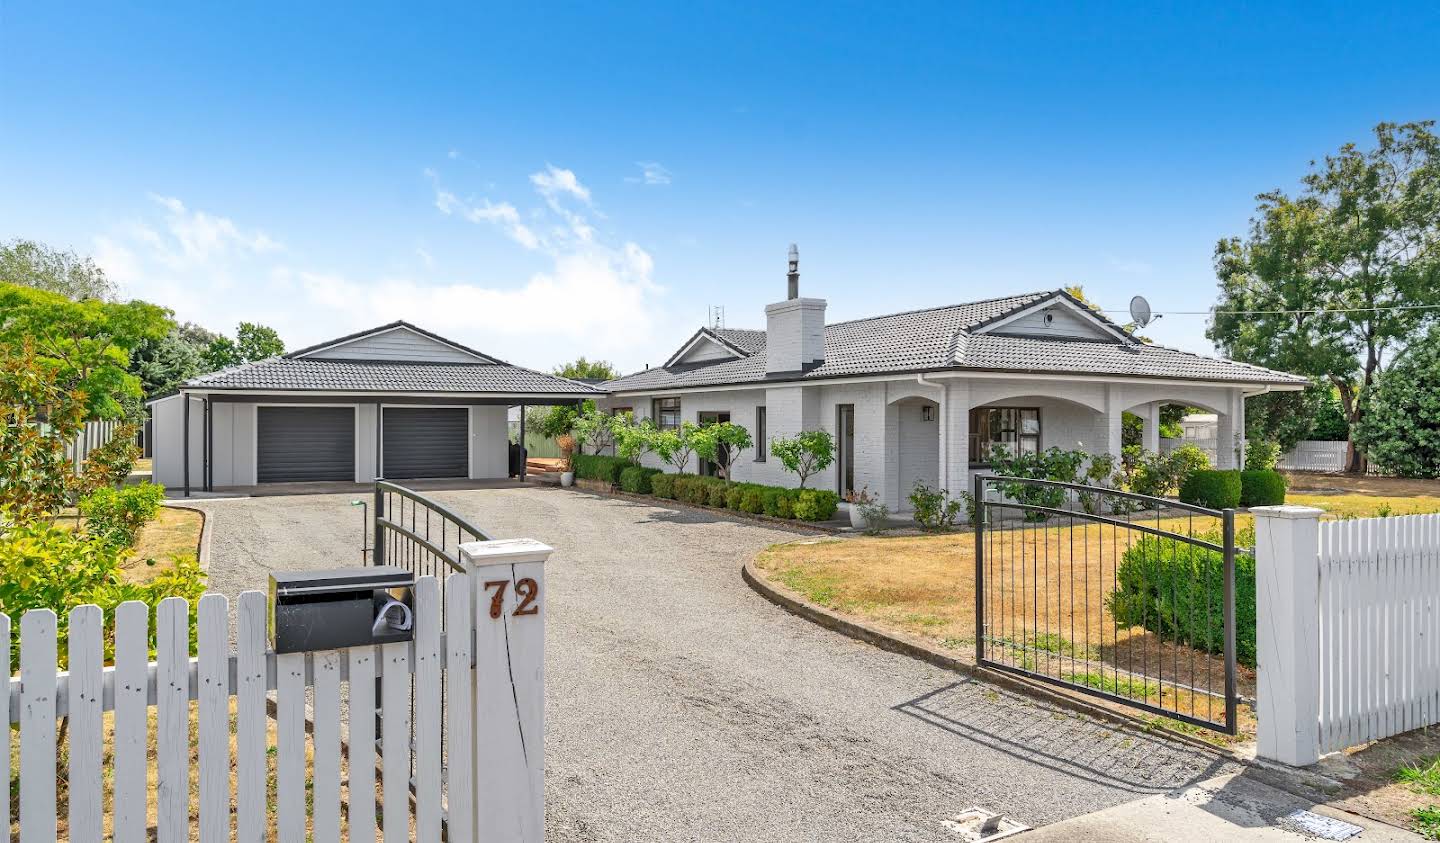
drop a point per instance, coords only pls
(682, 706)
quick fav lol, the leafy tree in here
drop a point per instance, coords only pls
(633, 439)
(1401, 429)
(1132, 429)
(1289, 417)
(593, 427)
(30, 264)
(722, 444)
(1313, 288)
(805, 453)
(85, 344)
(38, 417)
(582, 369)
(675, 447)
(252, 342)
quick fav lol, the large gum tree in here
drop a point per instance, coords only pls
(1332, 281)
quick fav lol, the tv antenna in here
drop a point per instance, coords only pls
(717, 316)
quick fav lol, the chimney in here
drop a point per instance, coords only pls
(794, 328)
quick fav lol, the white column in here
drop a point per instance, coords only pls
(1151, 439)
(1113, 420)
(508, 589)
(1287, 641)
(955, 441)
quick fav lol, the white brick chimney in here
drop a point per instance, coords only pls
(794, 328)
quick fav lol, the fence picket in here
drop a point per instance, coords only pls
(459, 737)
(37, 727)
(213, 673)
(250, 718)
(395, 740)
(360, 765)
(427, 709)
(87, 746)
(172, 719)
(290, 746)
(5, 738)
(132, 720)
(325, 824)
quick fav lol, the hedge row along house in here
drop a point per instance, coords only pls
(918, 397)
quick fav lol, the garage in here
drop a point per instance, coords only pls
(425, 442)
(304, 444)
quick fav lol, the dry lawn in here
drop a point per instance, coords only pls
(1361, 496)
(174, 532)
(1046, 604)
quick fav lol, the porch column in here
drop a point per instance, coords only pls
(955, 437)
(1230, 432)
(1151, 439)
(1113, 420)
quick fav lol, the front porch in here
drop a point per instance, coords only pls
(938, 431)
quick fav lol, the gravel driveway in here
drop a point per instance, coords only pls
(683, 706)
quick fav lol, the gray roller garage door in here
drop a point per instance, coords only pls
(426, 442)
(302, 444)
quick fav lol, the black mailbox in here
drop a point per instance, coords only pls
(343, 607)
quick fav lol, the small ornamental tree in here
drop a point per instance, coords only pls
(805, 453)
(594, 428)
(634, 440)
(722, 444)
(1400, 428)
(675, 447)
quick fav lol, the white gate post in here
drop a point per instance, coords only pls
(1287, 635)
(508, 589)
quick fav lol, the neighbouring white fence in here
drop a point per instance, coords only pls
(1348, 630)
(479, 683)
(95, 434)
(1315, 455)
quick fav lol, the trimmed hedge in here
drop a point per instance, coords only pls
(600, 467)
(1177, 590)
(1262, 488)
(697, 490)
(1212, 489)
(637, 479)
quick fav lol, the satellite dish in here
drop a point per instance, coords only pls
(1140, 311)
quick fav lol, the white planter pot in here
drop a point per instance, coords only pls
(856, 519)
(567, 478)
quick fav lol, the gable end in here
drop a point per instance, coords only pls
(400, 342)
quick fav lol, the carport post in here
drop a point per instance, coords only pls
(522, 443)
(185, 438)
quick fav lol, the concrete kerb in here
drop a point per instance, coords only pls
(916, 649)
(202, 545)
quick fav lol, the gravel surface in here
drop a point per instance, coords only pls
(683, 706)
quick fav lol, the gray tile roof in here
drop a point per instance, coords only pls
(943, 338)
(747, 340)
(287, 373)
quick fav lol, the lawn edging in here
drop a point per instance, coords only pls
(916, 649)
(202, 545)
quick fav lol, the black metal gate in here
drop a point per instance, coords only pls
(1113, 594)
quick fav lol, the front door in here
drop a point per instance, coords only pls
(708, 468)
(845, 449)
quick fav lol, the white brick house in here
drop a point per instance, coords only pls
(922, 396)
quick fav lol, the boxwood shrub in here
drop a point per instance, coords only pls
(637, 479)
(816, 504)
(1212, 489)
(1262, 488)
(779, 503)
(600, 467)
(662, 485)
(1177, 591)
(752, 500)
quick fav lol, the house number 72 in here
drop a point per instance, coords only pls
(526, 591)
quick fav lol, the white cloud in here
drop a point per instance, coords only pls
(588, 297)
(555, 181)
(651, 172)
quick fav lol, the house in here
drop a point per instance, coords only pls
(924, 396)
(393, 401)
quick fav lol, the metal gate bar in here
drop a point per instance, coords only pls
(1160, 578)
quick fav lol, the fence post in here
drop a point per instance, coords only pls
(1287, 639)
(508, 587)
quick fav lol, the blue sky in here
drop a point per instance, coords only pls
(550, 181)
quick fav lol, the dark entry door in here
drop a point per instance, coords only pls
(304, 444)
(845, 449)
(425, 442)
(708, 468)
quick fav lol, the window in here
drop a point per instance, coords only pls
(762, 445)
(1016, 429)
(667, 413)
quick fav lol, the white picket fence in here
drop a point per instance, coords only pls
(1315, 455)
(92, 436)
(473, 683)
(1347, 630)
(1379, 628)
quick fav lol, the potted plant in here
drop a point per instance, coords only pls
(567, 465)
(866, 511)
